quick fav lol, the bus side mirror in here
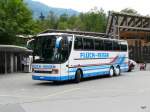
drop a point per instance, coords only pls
(30, 44)
(58, 42)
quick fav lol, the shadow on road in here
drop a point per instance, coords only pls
(63, 83)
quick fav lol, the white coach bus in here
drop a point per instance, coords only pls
(62, 56)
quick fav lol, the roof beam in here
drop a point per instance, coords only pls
(134, 28)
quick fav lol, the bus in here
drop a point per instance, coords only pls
(64, 56)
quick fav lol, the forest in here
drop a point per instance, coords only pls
(17, 19)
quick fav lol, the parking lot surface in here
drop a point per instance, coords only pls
(129, 92)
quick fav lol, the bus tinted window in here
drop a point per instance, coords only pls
(88, 44)
(116, 46)
(99, 44)
(78, 43)
(108, 44)
(123, 47)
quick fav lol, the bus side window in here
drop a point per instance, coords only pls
(116, 46)
(108, 44)
(99, 44)
(123, 47)
(78, 43)
(88, 44)
(96, 43)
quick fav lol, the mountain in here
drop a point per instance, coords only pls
(37, 8)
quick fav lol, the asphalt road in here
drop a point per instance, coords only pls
(129, 92)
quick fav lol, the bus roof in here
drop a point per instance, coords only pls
(96, 37)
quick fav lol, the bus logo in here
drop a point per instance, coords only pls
(93, 55)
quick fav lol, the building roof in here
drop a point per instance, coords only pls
(127, 22)
(13, 48)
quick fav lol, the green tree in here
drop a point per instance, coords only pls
(50, 22)
(15, 19)
(94, 20)
(63, 25)
(63, 22)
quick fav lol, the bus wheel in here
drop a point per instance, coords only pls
(111, 72)
(78, 76)
(117, 71)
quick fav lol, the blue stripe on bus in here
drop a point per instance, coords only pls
(95, 68)
(50, 78)
(63, 78)
(69, 77)
(103, 73)
(120, 60)
(90, 68)
(123, 67)
(72, 71)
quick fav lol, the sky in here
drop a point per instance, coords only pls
(142, 6)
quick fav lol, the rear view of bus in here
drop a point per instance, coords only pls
(50, 56)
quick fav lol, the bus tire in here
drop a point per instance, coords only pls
(111, 72)
(117, 71)
(78, 76)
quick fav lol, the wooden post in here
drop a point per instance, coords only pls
(5, 53)
(11, 62)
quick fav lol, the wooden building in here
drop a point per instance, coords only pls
(133, 28)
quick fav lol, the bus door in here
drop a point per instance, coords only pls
(64, 49)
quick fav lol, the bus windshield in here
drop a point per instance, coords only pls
(52, 49)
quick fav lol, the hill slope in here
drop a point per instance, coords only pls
(38, 7)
